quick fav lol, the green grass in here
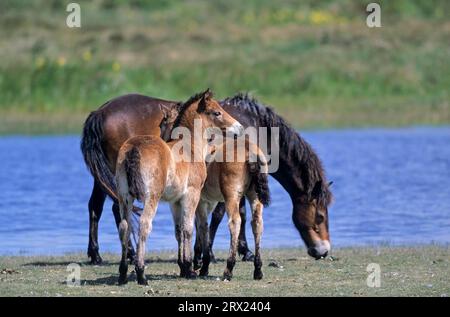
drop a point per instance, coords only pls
(316, 62)
(405, 271)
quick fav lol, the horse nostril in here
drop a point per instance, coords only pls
(312, 252)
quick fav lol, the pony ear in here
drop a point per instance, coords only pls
(206, 97)
(169, 117)
(201, 105)
(208, 94)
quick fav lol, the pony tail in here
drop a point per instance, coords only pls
(260, 179)
(94, 155)
(133, 172)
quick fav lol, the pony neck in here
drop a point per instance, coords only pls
(198, 146)
(290, 181)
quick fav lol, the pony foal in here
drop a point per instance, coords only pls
(149, 169)
(229, 180)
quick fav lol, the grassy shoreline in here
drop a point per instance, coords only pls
(405, 271)
(304, 118)
(316, 62)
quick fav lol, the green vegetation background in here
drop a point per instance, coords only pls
(316, 62)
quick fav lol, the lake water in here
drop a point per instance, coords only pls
(390, 186)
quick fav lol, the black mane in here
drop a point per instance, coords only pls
(299, 154)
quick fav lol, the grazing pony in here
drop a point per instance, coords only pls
(149, 169)
(230, 179)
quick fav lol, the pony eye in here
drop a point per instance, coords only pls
(320, 218)
(217, 113)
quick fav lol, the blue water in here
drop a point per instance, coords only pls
(390, 186)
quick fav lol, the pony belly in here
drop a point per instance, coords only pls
(172, 193)
(212, 194)
(175, 189)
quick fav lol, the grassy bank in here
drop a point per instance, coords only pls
(316, 62)
(405, 271)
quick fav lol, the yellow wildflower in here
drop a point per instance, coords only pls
(40, 62)
(61, 61)
(249, 18)
(320, 17)
(116, 67)
(87, 56)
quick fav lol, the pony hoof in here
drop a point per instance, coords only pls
(123, 280)
(142, 282)
(197, 266)
(204, 273)
(140, 276)
(227, 276)
(248, 257)
(258, 275)
(191, 275)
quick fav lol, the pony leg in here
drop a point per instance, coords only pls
(145, 228)
(176, 214)
(124, 234)
(216, 219)
(197, 246)
(243, 249)
(117, 218)
(95, 212)
(189, 205)
(257, 228)
(203, 236)
(234, 224)
(178, 219)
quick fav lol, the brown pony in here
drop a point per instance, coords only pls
(229, 180)
(149, 169)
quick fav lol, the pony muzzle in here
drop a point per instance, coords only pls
(320, 249)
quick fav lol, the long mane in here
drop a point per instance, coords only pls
(298, 153)
(182, 107)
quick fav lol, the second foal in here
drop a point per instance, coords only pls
(239, 169)
(149, 169)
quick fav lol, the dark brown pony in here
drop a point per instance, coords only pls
(300, 171)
